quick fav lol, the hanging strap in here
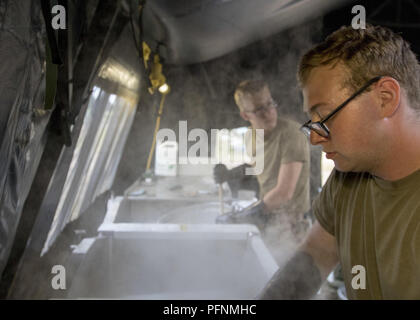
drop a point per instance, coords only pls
(46, 12)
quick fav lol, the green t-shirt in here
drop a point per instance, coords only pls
(376, 224)
(285, 144)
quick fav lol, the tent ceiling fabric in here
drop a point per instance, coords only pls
(193, 31)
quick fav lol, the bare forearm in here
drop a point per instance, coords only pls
(299, 279)
(274, 200)
(286, 184)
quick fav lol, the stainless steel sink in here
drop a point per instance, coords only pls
(172, 261)
(164, 211)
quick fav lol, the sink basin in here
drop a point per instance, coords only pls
(126, 210)
(171, 261)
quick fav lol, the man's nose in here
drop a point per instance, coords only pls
(267, 111)
(316, 138)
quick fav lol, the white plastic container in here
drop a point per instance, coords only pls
(166, 163)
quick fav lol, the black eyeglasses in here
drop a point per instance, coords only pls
(319, 126)
(259, 111)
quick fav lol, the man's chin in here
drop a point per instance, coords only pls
(345, 168)
(342, 167)
(270, 127)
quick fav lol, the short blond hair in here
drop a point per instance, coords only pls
(366, 53)
(248, 87)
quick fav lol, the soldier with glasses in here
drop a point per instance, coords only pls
(361, 90)
(284, 181)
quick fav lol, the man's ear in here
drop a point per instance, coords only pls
(244, 115)
(389, 95)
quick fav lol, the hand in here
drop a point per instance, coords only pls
(220, 173)
(256, 214)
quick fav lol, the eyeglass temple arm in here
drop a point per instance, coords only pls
(354, 95)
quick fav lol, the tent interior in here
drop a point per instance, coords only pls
(82, 184)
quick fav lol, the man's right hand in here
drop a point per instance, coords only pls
(256, 214)
(236, 178)
(303, 275)
(220, 173)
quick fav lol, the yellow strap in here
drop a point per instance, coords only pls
(152, 149)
